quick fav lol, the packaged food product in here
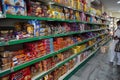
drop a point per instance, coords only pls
(34, 69)
(34, 9)
(5, 66)
(11, 2)
(6, 33)
(77, 15)
(5, 60)
(9, 9)
(36, 25)
(23, 74)
(20, 11)
(19, 3)
(45, 11)
(51, 45)
(66, 12)
(4, 54)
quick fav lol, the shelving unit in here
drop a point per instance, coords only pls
(60, 64)
(3, 73)
(77, 66)
(13, 42)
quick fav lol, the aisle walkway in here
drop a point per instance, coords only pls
(97, 68)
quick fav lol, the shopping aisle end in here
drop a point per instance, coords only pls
(98, 68)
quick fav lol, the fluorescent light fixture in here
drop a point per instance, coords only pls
(118, 2)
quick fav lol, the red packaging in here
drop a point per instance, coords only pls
(43, 52)
(23, 74)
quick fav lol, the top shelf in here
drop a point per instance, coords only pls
(50, 2)
(62, 5)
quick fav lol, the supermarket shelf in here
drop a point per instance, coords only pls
(13, 42)
(16, 68)
(62, 5)
(49, 19)
(76, 66)
(58, 4)
(39, 76)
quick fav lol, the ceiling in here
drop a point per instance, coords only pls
(111, 5)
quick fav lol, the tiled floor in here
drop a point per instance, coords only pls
(97, 68)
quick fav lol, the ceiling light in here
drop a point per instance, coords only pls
(118, 2)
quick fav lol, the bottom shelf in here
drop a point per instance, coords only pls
(77, 66)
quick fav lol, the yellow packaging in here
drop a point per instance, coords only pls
(78, 4)
(75, 4)
(77, 16)
(59, 16)
(79, 48)
(59, 1)
(53, 16)
(83, 47)
(85, 8)
(51, 11)
(46, 77)
(72, 3)
(75, 50)
(90, 43)
(102, 37)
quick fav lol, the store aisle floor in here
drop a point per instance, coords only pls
(97, 68)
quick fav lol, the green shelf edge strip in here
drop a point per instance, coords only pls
(13, 42)
(81, 65)
(49, 19)
(8, 71)
(62, 63)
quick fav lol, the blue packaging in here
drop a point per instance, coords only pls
(36, 27)
(10, 9)
(9, 2)
(51, 45)
(20, 10)
(19, 3)
(91, 19)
